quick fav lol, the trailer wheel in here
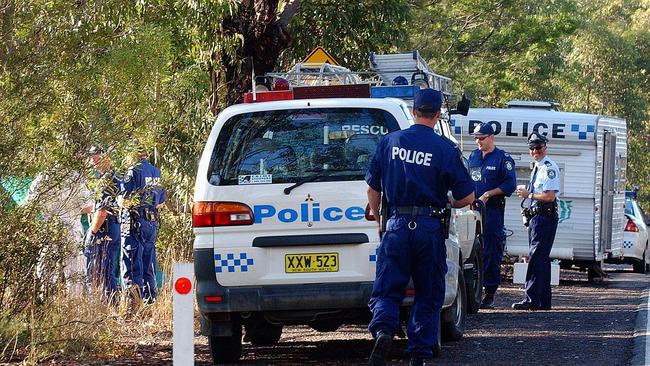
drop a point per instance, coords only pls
(474, 277)
(453, 318)
(226, 349)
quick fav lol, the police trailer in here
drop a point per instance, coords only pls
(591, 151)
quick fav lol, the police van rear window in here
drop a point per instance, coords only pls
(287, 146)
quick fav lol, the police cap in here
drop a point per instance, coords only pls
(427, 100)
(483, 129)
(536, 138)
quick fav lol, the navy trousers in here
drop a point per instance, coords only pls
(138, 255)
(403, 254)
(541, 233)
(100, 258)
(493, 245)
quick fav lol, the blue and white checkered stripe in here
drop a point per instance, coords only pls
(228, 263)
(628, 244)
(582, 130)
(457, 129)
(373, 257)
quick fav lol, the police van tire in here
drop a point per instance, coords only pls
(226, 349)
(474, 277)
(452, 319)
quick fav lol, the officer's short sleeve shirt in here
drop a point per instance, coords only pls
(495, 170)
(547, 177)
(417, 167)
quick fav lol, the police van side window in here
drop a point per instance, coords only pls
(290, 145)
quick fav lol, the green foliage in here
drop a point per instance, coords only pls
(348, 30)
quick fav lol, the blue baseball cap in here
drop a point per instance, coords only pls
(427, 100)
(483, 129)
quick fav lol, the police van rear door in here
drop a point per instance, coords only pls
(301, 172)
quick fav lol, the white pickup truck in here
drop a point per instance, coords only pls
(282, 229)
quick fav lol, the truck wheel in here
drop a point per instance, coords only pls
(474, 277)
(226, 349)
(453, 318)
(639, 267)
(263, 333)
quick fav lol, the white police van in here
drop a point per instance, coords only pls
(283, 234)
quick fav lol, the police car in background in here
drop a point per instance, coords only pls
(634, 248)
(283, 234)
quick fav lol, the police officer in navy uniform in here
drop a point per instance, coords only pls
(541, 213)
(103, 237)
(415, 168)
(493, 172)
(142, 195)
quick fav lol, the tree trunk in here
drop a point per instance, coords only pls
(265, 36)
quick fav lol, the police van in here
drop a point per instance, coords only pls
(591, 152)
(283, 232)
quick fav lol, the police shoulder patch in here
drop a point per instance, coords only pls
(551, 173)
(128, 176)
(509, 165)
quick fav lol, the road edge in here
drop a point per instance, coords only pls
(641, 351)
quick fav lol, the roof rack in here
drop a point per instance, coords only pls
(320, 74)
(408, 65)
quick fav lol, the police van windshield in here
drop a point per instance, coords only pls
(287, 146)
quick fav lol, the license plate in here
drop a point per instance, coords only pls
(311, 262)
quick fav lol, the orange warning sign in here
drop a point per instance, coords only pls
(320, 56)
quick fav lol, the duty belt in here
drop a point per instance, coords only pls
(420, 211)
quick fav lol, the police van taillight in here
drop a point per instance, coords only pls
(209, 214)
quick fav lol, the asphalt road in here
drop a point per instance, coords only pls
(589, 325)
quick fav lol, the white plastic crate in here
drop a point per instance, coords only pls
(519, 273)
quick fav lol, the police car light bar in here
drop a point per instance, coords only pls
(268, 96)
(401, 91)
(332, 91)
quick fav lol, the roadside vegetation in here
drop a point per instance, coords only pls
(155, 73)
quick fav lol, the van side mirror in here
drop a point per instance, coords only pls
(462, 107)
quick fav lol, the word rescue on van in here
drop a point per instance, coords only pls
(411, 156)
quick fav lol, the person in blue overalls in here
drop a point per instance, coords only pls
(493, 172)
(103, 237)
(141, 196)
(415, 168)
(541, 213)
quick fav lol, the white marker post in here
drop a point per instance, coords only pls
(183, 314)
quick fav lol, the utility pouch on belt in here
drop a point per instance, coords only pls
(445, 218)
(135, 217)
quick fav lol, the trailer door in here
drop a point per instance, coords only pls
(608, 189)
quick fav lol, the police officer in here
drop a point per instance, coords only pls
(415, 168)
(141, 196)
(493, 172)
(103, 237)
(542, 223)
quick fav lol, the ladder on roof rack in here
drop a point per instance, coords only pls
(390, 66)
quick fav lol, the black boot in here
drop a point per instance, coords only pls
(416, 361)
(488, 301)
(382, 348)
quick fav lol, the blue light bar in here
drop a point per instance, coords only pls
(399, 91)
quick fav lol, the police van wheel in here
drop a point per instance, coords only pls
(226, 349)
(474, 277)
(453, 318)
